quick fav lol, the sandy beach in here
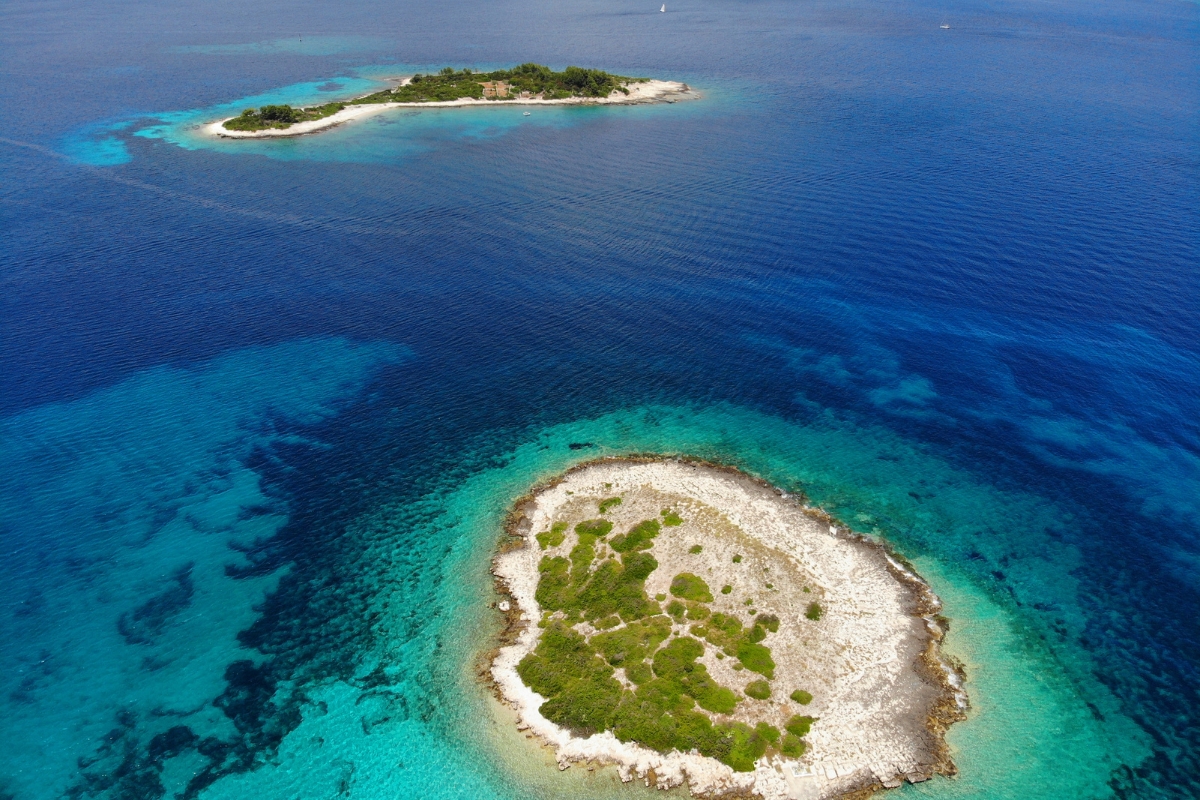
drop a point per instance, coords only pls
(652, 91)
(881, 692)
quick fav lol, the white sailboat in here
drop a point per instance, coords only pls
(663, 9)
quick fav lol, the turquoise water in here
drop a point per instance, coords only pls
(265, 404)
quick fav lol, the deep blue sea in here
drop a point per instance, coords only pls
(263, 405)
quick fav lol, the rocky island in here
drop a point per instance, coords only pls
(527, 84)
(688, 623)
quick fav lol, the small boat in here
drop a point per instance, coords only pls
(663, 10)
(945, 26)
(527, 113)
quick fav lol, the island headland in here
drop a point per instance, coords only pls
(527, 84)
(687, 623)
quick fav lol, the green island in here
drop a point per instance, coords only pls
(528, 81)
(687, 623)
(668, 700)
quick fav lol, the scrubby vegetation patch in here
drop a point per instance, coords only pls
(609, 659)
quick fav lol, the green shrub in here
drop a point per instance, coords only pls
(594, 527)
(611, 621)
(799, 725)
(813, 611)
(660, 597)
(792, 746)
(756, 634)
(710, 695)
(768, 621)
(697, 611)
(802, 697)
(608, 503)
(724, 631)
(726, 589)
(695, 549)
(691, 587)
(552, 537)
(768, 732)
(281, 113)
(670, 518)
(737, 559)
(756, 658)
(759, 690)
(641, 537)
(677, 657)
(676, 609)
(747, 745)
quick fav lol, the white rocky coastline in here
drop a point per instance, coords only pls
(882, 695)
(650, 91)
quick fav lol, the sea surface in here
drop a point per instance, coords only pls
(264, 405)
